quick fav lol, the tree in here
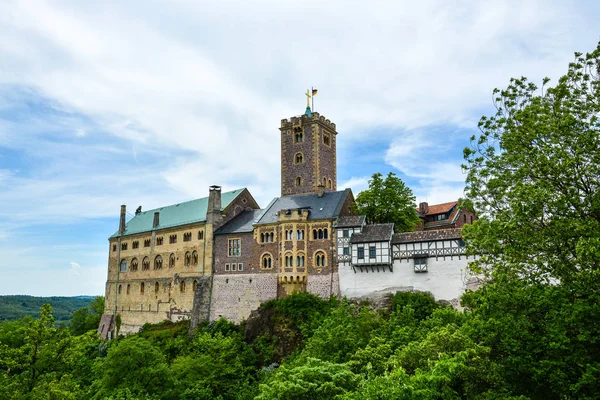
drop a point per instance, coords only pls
(88, 318)
(388, 200)
(534, 176)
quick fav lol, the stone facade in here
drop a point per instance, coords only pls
(308, 154)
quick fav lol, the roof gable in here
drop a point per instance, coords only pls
(189, 212)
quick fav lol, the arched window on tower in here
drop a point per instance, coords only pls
(158, 262)
(267, 261)
(298, 181)
(298, 158)
(320, 260)
(330, 184)
(134, 264)
(324, 182)
(145, 264)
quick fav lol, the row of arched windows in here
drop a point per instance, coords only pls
(268, 237)
(327, 183)
(182, 287)
(320, 234)
(191, 258)
(320, 260)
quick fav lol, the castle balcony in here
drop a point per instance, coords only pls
(289, 278)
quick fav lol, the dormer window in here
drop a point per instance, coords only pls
(440, 217)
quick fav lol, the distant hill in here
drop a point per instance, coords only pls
(15, 307)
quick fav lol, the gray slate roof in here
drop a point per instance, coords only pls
(328, 206)
(425, 236)
(243, 222)
(350, 221)
(374, 233)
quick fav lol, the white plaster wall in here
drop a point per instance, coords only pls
(445, 279)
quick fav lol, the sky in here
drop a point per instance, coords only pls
(149, 103)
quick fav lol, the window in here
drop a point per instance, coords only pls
(227, 267)
(182, 287)
(233, 267)
(194, 286)
(158, 262)
(187, 237)
(128, 288)
(156, 287)
(171, 260)
(372, 252)
(300, 234)
(134, 264)
(173, 239)
(267, 261)
(135, 244)
(114, 247)
(320, 260)
(324, 182)
(440, 217)
(289, 234)
(300, 261)
(361, 253)
(320, 233)
(346, 251)
(298, 158)
(147, 243)
(194, 257)
(298, 181)
(471, 217)
(123, 246)
(234, 248)
(268, 237)
(289, 260)
(465, 218)
(330, 184)
(298, 135)
(188, 259)
(120, 289)
(142, 288)
(200, 235)
(346, 233)
(326, 139)
(123, 266)
(145, 264)
(325, 234)
(240, 267)
(420, 264)
(159, 241)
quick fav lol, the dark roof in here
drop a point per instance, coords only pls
(327, 206)
(175, 215)
(440, 208)
(374, 233)
(350, 221)
(243, 222)
(425, 236)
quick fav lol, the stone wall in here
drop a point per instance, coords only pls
(324, 286)
(234, 297)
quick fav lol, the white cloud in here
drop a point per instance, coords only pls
(357, 184)
(75, 269)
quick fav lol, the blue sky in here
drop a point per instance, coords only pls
(148, 103)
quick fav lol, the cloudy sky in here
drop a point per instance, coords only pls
(146, 102)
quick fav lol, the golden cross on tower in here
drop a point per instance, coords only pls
(307, 98)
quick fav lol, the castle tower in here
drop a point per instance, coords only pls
(308, 154)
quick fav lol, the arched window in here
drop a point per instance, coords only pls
(128, 288)
(298, 158)
(300, 234)
(194, 257)
(315, 234)
(194, 286)
(134, 264)
(330, 184)
(267, 261)
(325, 233)
(124, 266)
(182, 287)
(142, 288)
(120, 289)
(158, 262)
(156, 287)
(298, 181)
(145, 264)
(272, 237)
(289, 260)
(320, 233)
(324, 182)
(300, 260)
(320, 259)
(188, 259)
(171, 260)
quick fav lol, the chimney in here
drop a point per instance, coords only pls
(138, 210)
(122, 220)
(320, 190)
(424, 207)
(156, 221)
(213, 212)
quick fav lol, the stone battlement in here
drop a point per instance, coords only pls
(304, 119)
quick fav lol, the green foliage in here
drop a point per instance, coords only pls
(534, 175)
(88, 318)
(15, 307)
(388, 200)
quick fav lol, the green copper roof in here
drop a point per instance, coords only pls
(178, 214)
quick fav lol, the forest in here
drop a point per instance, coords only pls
(531, 332)
(15, 307)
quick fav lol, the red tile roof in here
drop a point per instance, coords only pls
(440, 208)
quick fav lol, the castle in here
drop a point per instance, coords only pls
(223, 255)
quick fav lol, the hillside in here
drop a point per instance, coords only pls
(15, 307)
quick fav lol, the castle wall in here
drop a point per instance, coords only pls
(445, 278)
(234, 297)
(324, 286)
